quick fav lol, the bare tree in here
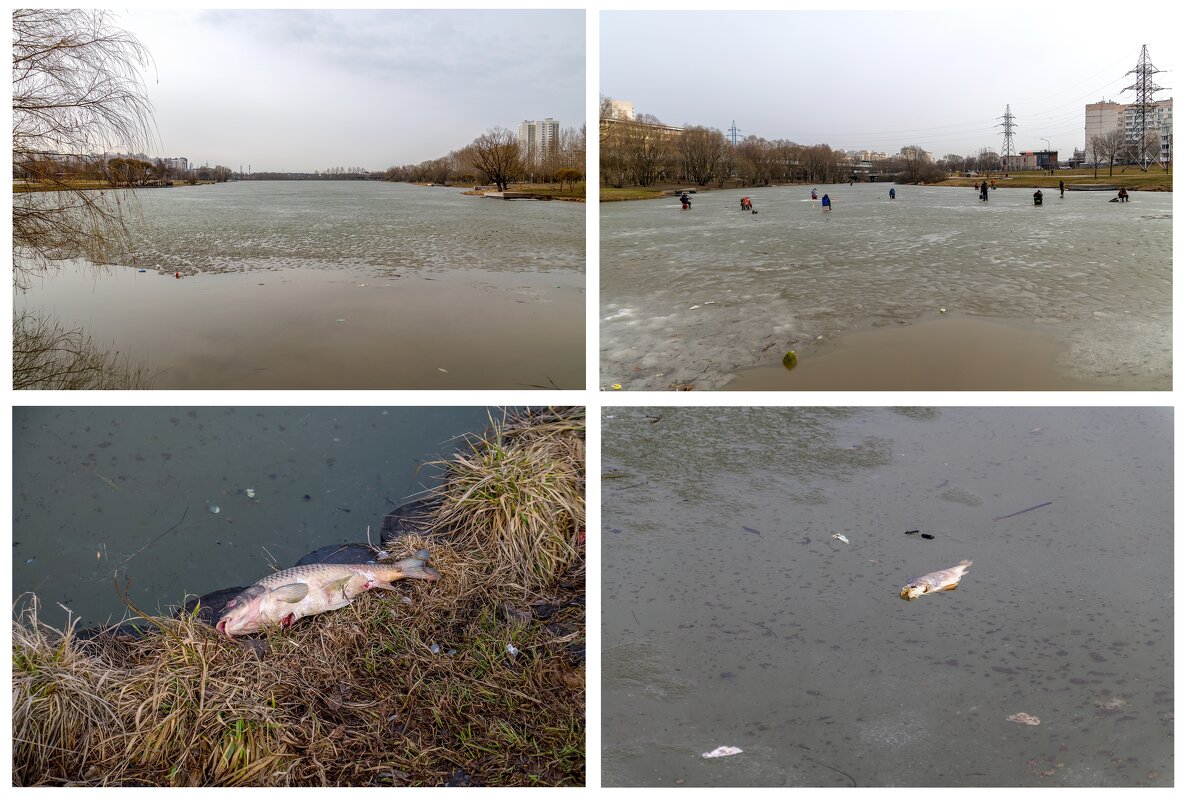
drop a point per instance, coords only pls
(702, 149)
(76, 91)
(1109, 146)
(988, 161)
(498, 156)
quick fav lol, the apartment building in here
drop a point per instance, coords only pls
(538, 138)
(1104, 117)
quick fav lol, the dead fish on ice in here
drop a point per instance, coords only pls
(938, 581)
(285, 597)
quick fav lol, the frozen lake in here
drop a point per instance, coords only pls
(699, 296)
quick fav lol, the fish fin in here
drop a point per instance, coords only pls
(965, 563)
(948, 589)
(291, 593)
(417, 568)
(338, 584)
(383, 585)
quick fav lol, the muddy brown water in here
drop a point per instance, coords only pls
(731, 616)
(336, 285)
(938, 354)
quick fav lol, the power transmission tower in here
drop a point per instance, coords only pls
(1008, 151)
(732, 133)
(1144, 87)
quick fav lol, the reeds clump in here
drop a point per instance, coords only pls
(517, 495)
(469, 680)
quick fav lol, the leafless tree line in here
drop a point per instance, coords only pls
(643, 152)
(496, 157)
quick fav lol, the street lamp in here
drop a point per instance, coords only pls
(1047, 153)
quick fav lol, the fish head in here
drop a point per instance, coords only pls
(247, 612)
(912, 591)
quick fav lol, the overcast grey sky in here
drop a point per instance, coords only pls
(305, 90)
(882, 80)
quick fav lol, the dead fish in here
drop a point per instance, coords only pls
(285, 597)
(938, 581)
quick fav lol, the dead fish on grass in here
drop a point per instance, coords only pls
(285, 597)
(938, 581)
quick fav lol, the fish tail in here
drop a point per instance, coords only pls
(415, 567)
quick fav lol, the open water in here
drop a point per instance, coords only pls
(337, 284)
(732, 616)
(96, 488)
(698, 296)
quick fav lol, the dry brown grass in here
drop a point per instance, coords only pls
(352, 697)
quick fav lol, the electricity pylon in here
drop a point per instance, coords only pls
(1144, 87)
(1008, 151)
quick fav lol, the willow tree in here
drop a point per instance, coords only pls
(498, 156)
(77, 93)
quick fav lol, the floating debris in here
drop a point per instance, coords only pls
(841, 538)
(790, 360)
(214, 509)
(1025, 718)
(724, 750)
(250, 493)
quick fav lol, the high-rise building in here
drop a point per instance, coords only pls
(1103, 118)
(538, 138)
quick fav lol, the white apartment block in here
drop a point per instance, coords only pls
(1103, 118)
(538, 138)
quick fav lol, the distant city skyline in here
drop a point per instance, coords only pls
(301, 91)
(881, 80)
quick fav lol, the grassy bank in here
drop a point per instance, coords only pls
(1155, 180)
(475, 679)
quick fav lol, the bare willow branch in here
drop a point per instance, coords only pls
(77, 93)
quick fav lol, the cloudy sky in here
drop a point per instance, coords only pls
(306, 90)
(883, 80)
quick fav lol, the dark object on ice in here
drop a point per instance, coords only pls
(410, 518)
(347, 553)
(1021, 512)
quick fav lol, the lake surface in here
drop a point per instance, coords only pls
(699, 296)
(361, 284)
(93, 486)
(732, 616)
